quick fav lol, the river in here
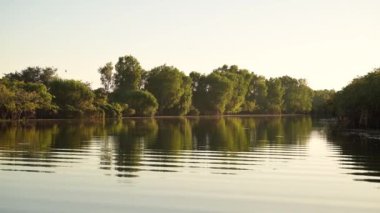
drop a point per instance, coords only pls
(230, 164)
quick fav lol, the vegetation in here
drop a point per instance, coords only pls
(137, 102)
(129, 90)
(211, 93)
(323, 103)
(358, 103)
(172, 88)
(275, 97)
(19, 99)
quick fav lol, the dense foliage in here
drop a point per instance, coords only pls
(137, 102)
(33, 75)
(172, 88)
(358, 103)
(323, 103)
(19, 99)
(74, 98)
(129, 90)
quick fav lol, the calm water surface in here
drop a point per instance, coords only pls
(292, 164)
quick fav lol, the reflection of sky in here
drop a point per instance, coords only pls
(309, 39)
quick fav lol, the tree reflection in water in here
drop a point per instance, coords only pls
(360, 153)
(130, 146)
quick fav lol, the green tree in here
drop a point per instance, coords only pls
(106, 76)
(22, 100)
(323, 102)
(72, 97)
(275, 96)
(128, 74)
(7, 104)
(358, 102)
(256, 96)
(212, 93)
(297, 95)
(171, 88)
(143, 103)
(34, 75)
(240, 80)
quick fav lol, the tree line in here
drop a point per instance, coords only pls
(129, 90)
(358, 104)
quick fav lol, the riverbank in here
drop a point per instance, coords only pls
(156, 116)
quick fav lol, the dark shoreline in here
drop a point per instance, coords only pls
(156, 116)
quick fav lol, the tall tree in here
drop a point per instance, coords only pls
(106, 76)
(171, 88)
(275, 96)
(255, 98)
(212, 93)
(128, 74)
(297, 95)
(240, 79)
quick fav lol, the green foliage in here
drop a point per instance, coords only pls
(33, 75)
(113, 110)
(255, 99)
(72, 97)
(212, 93)
(323, 102)
(297, 95)
(171, 88)
(128, 74)
(140, 103)
(359, 102)
(22, 100)
(106, 76)
(240, 80)
(275, 96)
(164, 90)
(110, 110)
(101, 97)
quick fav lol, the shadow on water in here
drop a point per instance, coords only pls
(359, 153)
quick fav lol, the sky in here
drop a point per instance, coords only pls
(326, 42)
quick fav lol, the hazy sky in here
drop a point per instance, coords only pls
(327, 42)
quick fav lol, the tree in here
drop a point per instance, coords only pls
(128, 74)
(72, 97)
(110, 110)
(143, 103)
(34, 75)
(212, 93)
(297, 95)
(171, 88)
(106, 76)
(358, 102)
(6, 100)
(240, 80)
(323, 102)
(305, 96)
(275, 96)
(185, 101)
(256, 96)
(22, 100)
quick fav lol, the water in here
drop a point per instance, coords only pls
(292, 164)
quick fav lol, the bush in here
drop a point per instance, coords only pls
(142, 102)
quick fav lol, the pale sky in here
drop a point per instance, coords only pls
(327, 42)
